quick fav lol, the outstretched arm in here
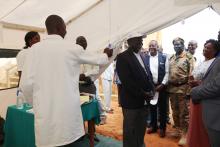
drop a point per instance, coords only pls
(207, 91)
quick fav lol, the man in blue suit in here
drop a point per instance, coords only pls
(158, 65)
(136, 88)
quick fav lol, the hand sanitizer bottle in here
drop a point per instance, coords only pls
(20, 99)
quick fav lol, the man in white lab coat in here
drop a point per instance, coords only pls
(91, 71)
(107, 80)
(51, 78)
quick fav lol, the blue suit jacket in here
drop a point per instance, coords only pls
(161, 67)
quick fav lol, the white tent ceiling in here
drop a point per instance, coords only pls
(34, 12)
(101, 21)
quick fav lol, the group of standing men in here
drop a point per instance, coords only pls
(143, 78)
(146, 78)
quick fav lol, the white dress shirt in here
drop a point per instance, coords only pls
(51, 78)
(154, 67)
(200, 70)
(199, 58)
(138, 56)
(108, 73)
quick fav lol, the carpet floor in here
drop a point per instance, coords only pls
(103, 142)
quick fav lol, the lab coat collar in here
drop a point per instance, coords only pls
(53, 37)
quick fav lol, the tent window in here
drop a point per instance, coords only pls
(8, 68)
(8, 71)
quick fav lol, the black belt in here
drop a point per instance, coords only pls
(178, 84)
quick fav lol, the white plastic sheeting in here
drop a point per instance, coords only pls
(101, 21)
(34, 12)
(216, 7)
(112, 20)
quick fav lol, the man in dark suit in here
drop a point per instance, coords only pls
(137, 88)
(209, 95)
(158, 65)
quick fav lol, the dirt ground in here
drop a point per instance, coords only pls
(113, 128)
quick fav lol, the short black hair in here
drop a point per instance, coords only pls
(179, 39)
(215, 44)
(52, 22)
(28, 37)
(81, 40)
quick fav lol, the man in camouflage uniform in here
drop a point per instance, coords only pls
(180, 68)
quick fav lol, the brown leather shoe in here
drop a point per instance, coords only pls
(162, 133)
(151, 130)
(182, 141)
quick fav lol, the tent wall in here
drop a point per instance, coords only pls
(14, 38)
(216, 7)
(7, 98)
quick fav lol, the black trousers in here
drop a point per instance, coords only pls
(69, 145)
(76, 143)
(87, 88)
(119, 90)
(134, 127)
(161, 106)
(214, 137)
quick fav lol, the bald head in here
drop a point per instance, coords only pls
(192, 45)
(55, 25)
(153, 47)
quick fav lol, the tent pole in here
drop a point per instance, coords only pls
(22, 27)
(88, 9)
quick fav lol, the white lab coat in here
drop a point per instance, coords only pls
(108, 73)
(21, 57)
(107, 78)
(51, 77)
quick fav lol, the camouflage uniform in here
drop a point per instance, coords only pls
(178, 88)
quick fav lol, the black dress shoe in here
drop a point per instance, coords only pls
(168, 122)
(162, 133)
(96, 138)
(87, 136)
(151, 130)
